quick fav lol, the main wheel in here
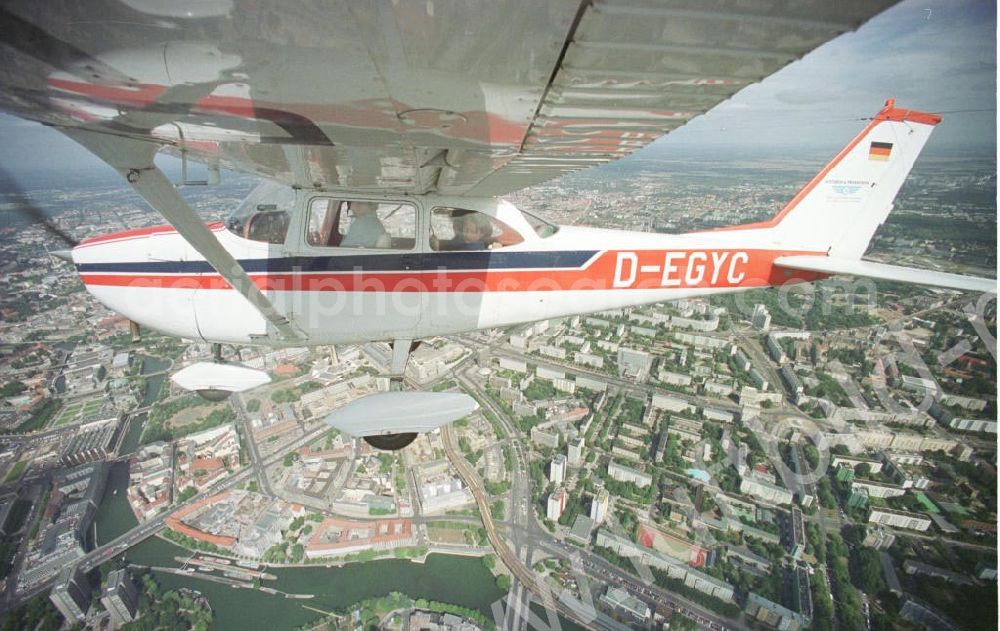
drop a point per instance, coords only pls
(391, 442)
(215, 395)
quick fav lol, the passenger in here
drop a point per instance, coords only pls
(473, 232)
(366, 230)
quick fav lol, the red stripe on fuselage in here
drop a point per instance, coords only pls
(138, 233)
(689, 269)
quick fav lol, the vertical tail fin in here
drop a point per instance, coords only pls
(840, 209)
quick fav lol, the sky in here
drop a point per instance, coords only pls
(930, 55)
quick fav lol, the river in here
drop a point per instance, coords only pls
(459, 580)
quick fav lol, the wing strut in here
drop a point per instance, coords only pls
(134, 160)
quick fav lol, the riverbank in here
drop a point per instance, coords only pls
(114, 515)
(462, 581)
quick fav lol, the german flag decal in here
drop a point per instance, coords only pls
(880, 151)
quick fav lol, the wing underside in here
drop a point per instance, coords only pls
(882, 271)
(461, 98)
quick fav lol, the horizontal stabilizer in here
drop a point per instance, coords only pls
(400, 412)
(881, 271)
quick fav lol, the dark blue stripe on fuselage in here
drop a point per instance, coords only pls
(391, 262)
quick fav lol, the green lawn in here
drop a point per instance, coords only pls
(74, 411)
(92, 406)
(16, 471)
(957, 509)
(927, 503)
(68, 414)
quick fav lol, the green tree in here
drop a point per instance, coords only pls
(186, 494)
(867, 570)
(12, 389)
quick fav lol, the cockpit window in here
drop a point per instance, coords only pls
(460, 229)
(541, 227)
(264, 214)
(335, 223)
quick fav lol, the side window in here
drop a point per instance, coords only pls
(324, 215)
(338, 223)
(460, 229)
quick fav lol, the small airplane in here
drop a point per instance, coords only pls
(387, 133)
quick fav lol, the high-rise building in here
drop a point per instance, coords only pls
(71, 594)
(556, 504)
(773, 348)
(761, 318)
(574, 451)
(121, 598)
(879, 538)
(633, 362)
(557, 470)
(599, 506)
(627, 474)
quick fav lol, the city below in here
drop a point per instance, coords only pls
(821, 456)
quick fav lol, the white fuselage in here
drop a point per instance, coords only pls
(344, 295)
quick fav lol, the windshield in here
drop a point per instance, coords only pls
(264, 214)
(541, 227)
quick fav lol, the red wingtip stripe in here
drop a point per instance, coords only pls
(892, 113)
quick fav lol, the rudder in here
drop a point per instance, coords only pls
(839, 210)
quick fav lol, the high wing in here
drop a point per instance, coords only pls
(459, 97)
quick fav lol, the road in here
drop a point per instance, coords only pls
(520, 509)
(516, 566)
(243, 422)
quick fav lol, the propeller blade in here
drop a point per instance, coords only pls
(24, 206)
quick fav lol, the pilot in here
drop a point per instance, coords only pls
(473, 232)
(366, 230)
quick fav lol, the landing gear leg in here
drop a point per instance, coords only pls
(401, 350)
